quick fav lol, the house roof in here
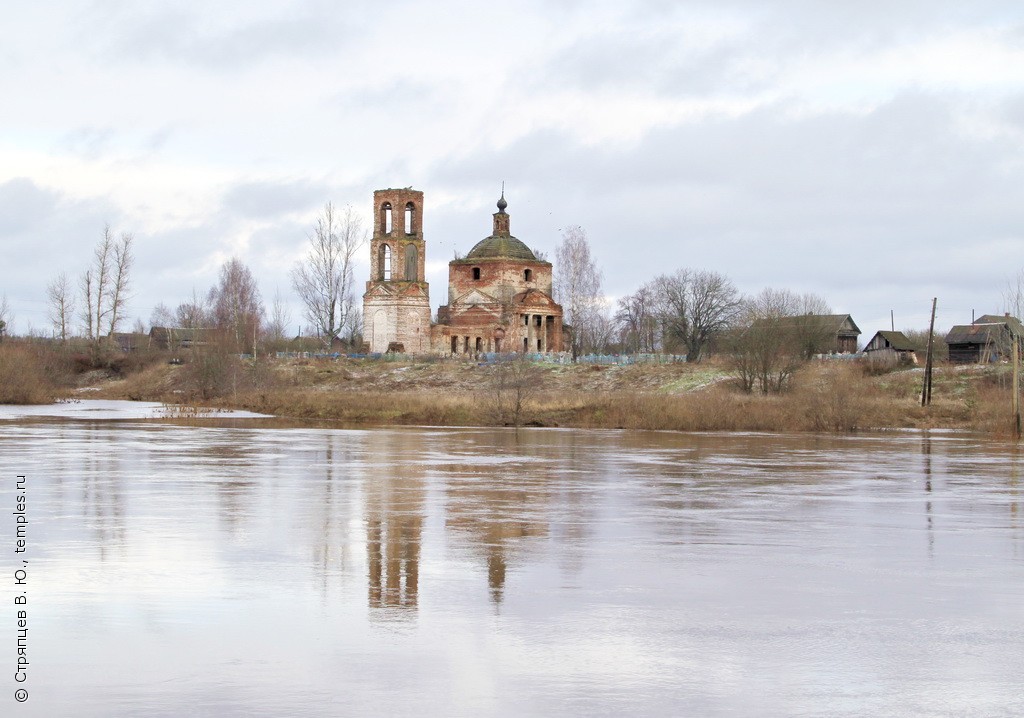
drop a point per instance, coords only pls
(896, 340)
(976, 333)
(1016, 328)
(839, 323)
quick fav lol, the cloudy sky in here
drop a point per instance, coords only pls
(870, 152)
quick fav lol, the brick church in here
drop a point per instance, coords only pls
(499, 294)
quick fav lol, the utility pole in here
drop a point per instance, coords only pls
(926, 390)
(1016, 386)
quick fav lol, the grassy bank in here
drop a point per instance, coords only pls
(823, 397)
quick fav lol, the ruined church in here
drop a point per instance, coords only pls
(499, 294)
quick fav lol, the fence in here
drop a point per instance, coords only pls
(493, 357)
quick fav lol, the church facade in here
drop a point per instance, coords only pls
(499, 294)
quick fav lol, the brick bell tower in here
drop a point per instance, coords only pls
(396, 305)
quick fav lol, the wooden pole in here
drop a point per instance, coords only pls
(1016, 387)
(926, 390)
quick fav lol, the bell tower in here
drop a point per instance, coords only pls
(396, 305)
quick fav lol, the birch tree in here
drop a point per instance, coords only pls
(6, 318)
(577, 287)
(236, 306)
(104, 285)
(61, 298)
(324, 280)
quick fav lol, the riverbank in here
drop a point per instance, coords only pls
(823, 397)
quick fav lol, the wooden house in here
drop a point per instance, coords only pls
(892, 347)
(989, 339)
(816, 333)
(175, 338)
(130, 341)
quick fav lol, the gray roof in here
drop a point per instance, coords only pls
(976, 333)
(831, 322)
(1016, 328)
(896, 340)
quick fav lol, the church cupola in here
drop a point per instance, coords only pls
(501, 224)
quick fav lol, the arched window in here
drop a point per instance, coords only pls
(411, 263)
(410, 210)
(385, 217)
(527, 275)
(384, 262)
(476, 274)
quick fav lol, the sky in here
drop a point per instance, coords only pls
(871, 153)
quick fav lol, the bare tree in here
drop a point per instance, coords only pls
(62, 305)
(777, 332)
(162, 316)
(1013, 295)
(694, 306)
(105, 284)
(194, 313)
(637, 320)
(577, 287)
(6, 317)
(514, 381)
(324, 280)
(280, 319)
(237, 307)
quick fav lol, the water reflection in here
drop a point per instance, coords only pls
(394, 501)
(259, 571)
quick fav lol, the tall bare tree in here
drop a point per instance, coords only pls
(237, 308)
(324, 280)
(1013, 295)
(694, 306)
(280, 319)
(637, 320)
(577, 287)
(6, 317)
(105, 284)
(61, 297)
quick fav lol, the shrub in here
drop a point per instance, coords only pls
(22, 380)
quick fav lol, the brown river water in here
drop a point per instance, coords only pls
(235, 567)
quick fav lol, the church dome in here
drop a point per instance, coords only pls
(503, 246)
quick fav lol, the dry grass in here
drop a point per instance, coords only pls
(823, 397)
(23, 379)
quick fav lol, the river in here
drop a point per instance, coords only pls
(237, 567)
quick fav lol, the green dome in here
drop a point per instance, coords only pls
(505, 246)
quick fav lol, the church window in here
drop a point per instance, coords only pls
(410, 210)
(385, 262)
(385, 217)
(527, 275)
(476, 274)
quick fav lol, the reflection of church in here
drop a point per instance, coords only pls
(499, 294)
(394, 526)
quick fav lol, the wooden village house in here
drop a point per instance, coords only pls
(989, 339)
(891, 347)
